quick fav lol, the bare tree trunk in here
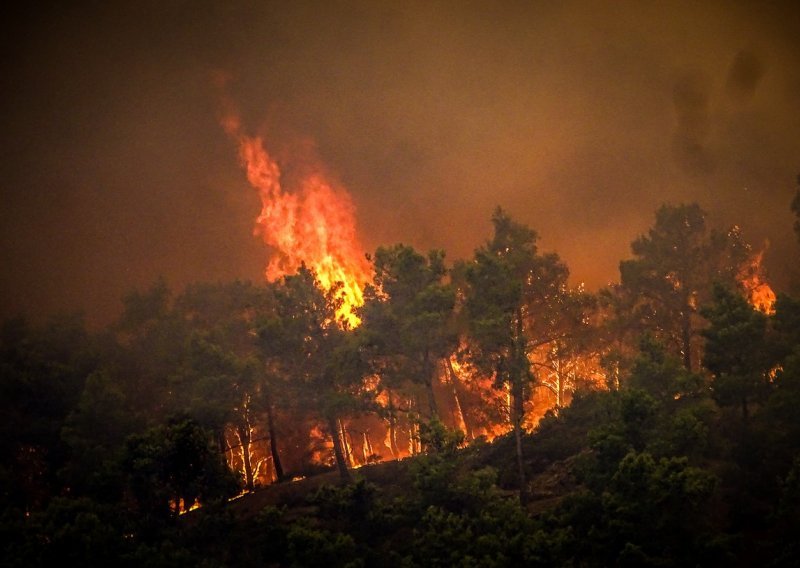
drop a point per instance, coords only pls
(518, 411)
(341, 462)
(243, 432)
(273, 443)
(393, 428)
(461, 419)
(231, 455)
(222, 442)
(414, 443)
(367, 446)
(348, 450)
(429, 378)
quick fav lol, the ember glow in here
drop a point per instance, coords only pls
(312, 223)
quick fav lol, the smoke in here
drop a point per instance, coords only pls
(744, 76)
(580, 118)
(691, 100)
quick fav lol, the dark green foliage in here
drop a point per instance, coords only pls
(175, 463)
(671, 276)
(465, 520)
(659, 374)
(787, 519)
(308, 546)
(437, 438)
(786, 325)
(350, 503)
(77, 532)
(408, 317)
(509, 288)
(42, 376)
(318, 359)
(737, 351)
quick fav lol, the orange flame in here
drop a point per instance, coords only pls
(313, 223)
(759, 292)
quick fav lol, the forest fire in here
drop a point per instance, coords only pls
(306, 219)
(311, 223)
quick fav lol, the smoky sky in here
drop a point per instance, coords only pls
(579, 118)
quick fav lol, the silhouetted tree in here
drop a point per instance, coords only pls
(42, 375)
(318, 359)
(737, 351)
(407, 323)
(671, 276)
(95, 431)
(171, 466)
(507, 283)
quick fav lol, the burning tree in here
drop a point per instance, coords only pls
(506, 283)
(221, 381)
(566, 350)
(737, 351)
(672, 273)
(315, 353)
(407, 322)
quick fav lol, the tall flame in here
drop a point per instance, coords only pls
(759, 292)
(312, 223)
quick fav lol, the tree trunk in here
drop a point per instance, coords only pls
(348, 449)
(429, 377)
(461, 419)
(369, 451)
(341, 462)
(393, 428)
(416, 443)
(222, 443)
(518, 411)
(413, 427)
(686, 338)
(273, 443)
(243, 432)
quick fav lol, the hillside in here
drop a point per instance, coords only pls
(606, 486)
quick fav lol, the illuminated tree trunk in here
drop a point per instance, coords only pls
(243, 432)
(273, 443)
(392, 427)
(367, 447)
(348, 449)
(461, 419)
(338, 452)
(414, 445)
(230, 446)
